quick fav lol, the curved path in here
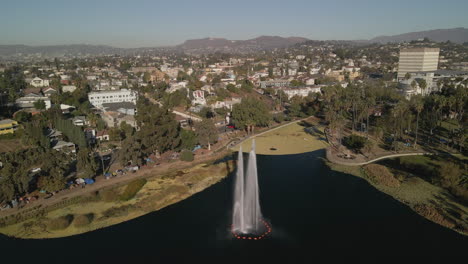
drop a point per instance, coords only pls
(334, 160)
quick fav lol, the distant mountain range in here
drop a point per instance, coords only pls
(57, 50)
(222, 44)
(210, 45)
(457, 35)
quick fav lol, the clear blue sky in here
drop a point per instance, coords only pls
(140, 23)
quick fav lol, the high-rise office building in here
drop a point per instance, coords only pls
(417, 60)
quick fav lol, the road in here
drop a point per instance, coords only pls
(190, 116)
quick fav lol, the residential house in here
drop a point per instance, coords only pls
(49, 92)
(66, 147)
(274, 84)
(38, 82)
(114, 119)
(68, 88)
(79, 121)
(28, 100)
(102, 135)
(198, 97)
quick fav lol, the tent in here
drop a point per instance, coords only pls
(89, 181)
(79, 181)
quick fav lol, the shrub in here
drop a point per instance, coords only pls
(132, 189)
(354, 142)
(110, 195)
(433, 214)
(461, 193)
(380, 174)
(278, 118)
(116, 211)
(83, 220)
(60, 222)
(186, 155)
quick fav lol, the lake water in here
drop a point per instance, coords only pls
(314, 212)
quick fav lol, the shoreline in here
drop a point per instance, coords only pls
(417, 194)
(160, 191)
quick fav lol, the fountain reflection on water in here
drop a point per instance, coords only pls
(247, 215)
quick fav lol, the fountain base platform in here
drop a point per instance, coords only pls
(253, 236)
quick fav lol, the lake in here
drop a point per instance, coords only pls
(314, 212)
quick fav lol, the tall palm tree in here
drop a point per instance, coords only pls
(418, 105)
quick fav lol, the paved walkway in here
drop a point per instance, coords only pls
(337, 160)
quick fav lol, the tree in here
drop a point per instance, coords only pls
(23, 116)
(186, 155)
(188, 139)
(86, 164)
(232, 88)
(296, 83)
(206, 132)
(146, 77)
(418, 105)
(250, 113)
(40, 105)
(159, 131)
(449, 174)
(131, 152)
(407, 76)
(53, 182)
(354, 142)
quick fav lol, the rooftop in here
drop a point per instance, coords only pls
(6, 121)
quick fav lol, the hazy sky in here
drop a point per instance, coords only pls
(140, 23)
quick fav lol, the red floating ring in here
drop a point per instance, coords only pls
(268, 230)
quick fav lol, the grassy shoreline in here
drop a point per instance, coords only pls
(430, 201)
(109, 207)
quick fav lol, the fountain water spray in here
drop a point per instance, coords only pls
(247, 215)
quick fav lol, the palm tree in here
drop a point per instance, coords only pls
(418, 105)
(422, 84)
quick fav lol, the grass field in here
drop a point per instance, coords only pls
(290, 139)
(8, 145)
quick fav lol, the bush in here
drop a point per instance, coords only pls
(433, 214)
(110, 195)
(380, 174)
(278, 118)
(83, 220)
(461, 193)
(132, 189)
(60, 222)
(116, 211)
(354, 143)
(186, 155)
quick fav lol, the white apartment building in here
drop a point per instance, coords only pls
(302, 92)
(416, 60)
(97, 98)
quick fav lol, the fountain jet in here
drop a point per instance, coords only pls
(247, 216)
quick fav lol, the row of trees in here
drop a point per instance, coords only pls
(401, 118)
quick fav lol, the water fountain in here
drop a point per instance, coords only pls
(247, 221)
